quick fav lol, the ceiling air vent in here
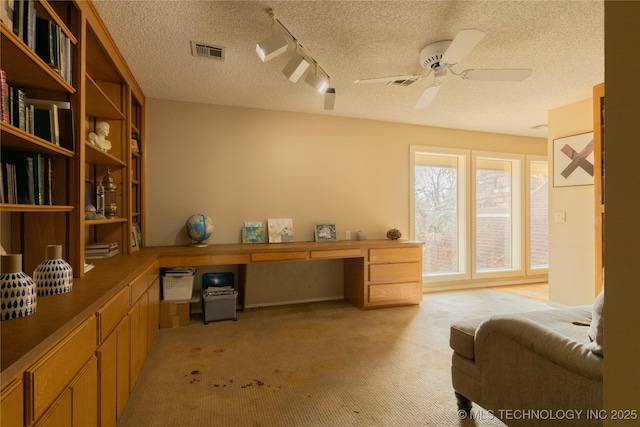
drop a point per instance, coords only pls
(207, 51)
(404, 82)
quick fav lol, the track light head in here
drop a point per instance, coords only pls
(330, 98)
(272, 46)
(295, 68)
(317, 82)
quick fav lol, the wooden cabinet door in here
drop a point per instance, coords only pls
(136, 357)
(12, 404)
(84, 392)
(107, 381)
(59, 415)
(123, 361)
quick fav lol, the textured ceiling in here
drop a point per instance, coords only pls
(562, 42)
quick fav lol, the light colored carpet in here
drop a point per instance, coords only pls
(318, 364)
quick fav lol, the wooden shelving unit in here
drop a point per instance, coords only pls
(599, 187)
(102, 90)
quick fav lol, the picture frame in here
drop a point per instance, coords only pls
(134, 240)
(325, 233)
(573, 160)
(253, 234)
(280, 230)
(136, 236)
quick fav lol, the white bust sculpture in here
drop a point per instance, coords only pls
(99, 138)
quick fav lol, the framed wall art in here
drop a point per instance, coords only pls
(573, 160)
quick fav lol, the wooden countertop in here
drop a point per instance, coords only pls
(23, 340)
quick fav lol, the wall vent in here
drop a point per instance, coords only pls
(207, 50)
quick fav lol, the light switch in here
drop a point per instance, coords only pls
(560, 217)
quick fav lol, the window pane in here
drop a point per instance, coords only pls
(539, 217)
(436, 212)
(493, 215)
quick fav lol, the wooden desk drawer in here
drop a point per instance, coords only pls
(336, 253)
(50, 375)
(401, 292)
(278, 256)
(110, 314)
(395, 254)
(138, 287)
(400, 272)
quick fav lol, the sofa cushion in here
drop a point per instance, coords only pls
(462, 336)
(596, 329)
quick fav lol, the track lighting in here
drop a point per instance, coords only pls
(295, 68)
(302, 59)
(330, 98)
(271, 47)
(317, 82)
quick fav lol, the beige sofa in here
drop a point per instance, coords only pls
(537, 368)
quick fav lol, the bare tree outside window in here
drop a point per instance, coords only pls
(436, 216)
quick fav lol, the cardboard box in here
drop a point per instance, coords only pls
(174, 314)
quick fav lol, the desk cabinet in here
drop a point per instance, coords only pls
(386, 277)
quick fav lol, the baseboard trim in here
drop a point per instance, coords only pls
(300, 301)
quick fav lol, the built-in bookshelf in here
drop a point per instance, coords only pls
(599, 174)
(62, 75)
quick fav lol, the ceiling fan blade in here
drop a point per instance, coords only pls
(427, 96)
(414, 77)
(497, 75)
(462, 44)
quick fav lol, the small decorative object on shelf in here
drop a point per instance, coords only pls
(110, 197)
(17, 291)
(199, 228)
(100, 200)
(360, 235)
(54, 275)
(99, 137)
(135, 148)
(394, 234)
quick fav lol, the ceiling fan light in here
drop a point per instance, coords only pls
(295, 68)
(271, 47)
(330, 98)
(317, 82)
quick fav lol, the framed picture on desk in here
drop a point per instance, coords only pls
(325, 233)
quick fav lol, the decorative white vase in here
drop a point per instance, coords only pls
(17, 290)
(54, 275)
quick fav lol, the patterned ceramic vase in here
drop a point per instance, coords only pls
(17, 290)
(54, 275)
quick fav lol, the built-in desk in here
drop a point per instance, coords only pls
(377, 273)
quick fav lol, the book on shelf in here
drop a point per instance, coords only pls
(28, 178)
(101, 255)
(54, 47)
(105, 246)
(4, 97)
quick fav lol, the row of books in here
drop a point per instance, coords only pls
(41, 35)
(26, 178)
(47, 119)
(101, 250)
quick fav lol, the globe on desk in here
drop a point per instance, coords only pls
(199, 228)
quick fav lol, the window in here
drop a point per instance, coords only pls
(476, 215)
(538, 214)
(439, 190)
(497, 214)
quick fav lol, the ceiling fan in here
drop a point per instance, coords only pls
(440, 56)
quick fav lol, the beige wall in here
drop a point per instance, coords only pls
(237, 165)
(571, 243)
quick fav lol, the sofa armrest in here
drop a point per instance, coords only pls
(534, 337)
